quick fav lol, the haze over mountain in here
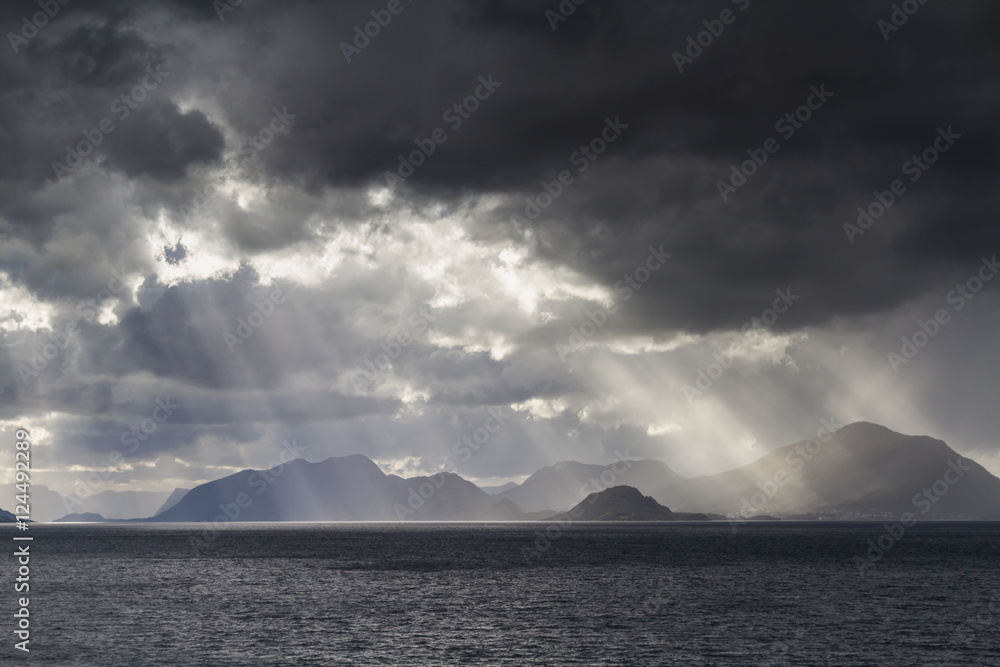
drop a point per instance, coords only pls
(45, 505)
(173, 499)
(496, 490)
(347, 488)
(49, 505)
(121, 504)
(81, 517)
(560, 486)
(860, 470)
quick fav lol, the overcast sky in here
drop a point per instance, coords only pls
(221, 209)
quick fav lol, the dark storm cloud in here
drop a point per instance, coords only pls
(198, 162)
(71, 77)
(658, 182)
(192, 332)
(162, 143)
(655, 184)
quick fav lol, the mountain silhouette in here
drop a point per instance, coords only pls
(346, 488)
(862, 470)
(560, 486)
(622, 503)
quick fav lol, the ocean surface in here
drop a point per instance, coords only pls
(508, 594)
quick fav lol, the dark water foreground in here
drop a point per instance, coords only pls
(501, 594)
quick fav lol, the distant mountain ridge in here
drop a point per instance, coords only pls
(49, 505)
(120, 504)
(494, 490)
(861, 471)
(46, 504)
(346, 488)
(82, 517)
(173, 499)
(566, 483)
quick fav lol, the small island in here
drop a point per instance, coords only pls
(623, 503)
